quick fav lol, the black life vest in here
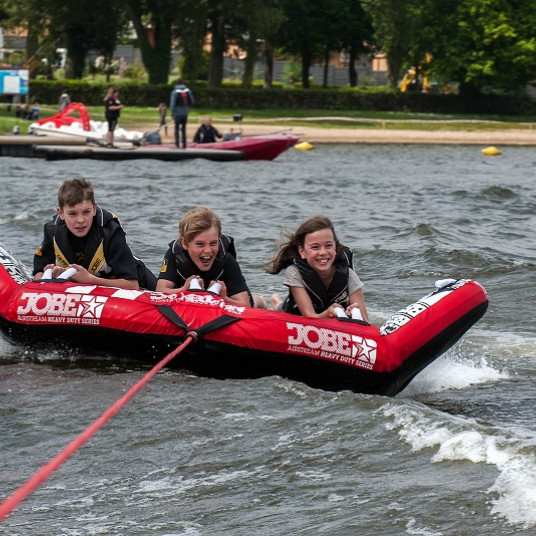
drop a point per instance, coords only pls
(97, 240)
(323, 297)
(182, 97)
(186, 267)
(105, 224)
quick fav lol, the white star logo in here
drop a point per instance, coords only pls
(364, 349)
(91, 306)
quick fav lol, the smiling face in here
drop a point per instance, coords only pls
(319, 250)
(203, 248)
(79, 217)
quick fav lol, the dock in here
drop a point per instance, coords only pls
(50, 148)
(24, 146)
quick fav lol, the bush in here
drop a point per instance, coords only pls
(135, 72)
(256, 98)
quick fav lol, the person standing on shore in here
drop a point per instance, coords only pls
(64, 100)
(162, 110)
(180, 101)
(113, 110)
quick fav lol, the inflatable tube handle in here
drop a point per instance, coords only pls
(356, 314)
(194, 284)
(215, 287)
(339, 311)
(442, 283)
(68, 273)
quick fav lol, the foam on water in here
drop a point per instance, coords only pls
(451, 372)
(455, 438)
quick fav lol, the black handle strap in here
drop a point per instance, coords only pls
(197, 333)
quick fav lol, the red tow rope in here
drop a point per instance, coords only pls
(9, 504)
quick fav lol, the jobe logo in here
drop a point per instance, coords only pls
(61, 305)
(322, 341)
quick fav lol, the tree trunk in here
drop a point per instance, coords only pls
(215, 68)
(306, 66)
(468, 88)
(155, 45)
(268, 54)
(32, 45)
(326, 69)
(76, 56)
(249, 63)
(193, 37)
(393, 66)
(352, 71)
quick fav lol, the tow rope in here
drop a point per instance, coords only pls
(11, 502)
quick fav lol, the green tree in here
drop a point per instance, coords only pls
(152, 20)
(299, 33)
(342, 25)
(257, 27)
(396, 28)
(355, 34)
(191, 30)
(481, 43)
(93, 25)
(225, 22)
(217, 28)
(28, 14)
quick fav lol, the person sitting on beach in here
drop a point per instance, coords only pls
(318, 273)
(207, 133)
(90, 240)
(204, 253)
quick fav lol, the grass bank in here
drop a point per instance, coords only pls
(285, 118)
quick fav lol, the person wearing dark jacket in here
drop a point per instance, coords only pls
(91, 240)
(179, 103)
(207, 133)
(204, 253)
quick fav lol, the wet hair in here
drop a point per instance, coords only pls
(112, 90)
(198, 220)
(288, 251)
(75, 191)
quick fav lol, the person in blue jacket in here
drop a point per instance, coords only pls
(180, 101)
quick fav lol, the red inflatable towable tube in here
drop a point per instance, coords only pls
(239, 342)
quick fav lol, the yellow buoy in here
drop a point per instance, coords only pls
(491, 151)
(304, 146)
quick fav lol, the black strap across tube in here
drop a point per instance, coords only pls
(170, 314)
(213, 325)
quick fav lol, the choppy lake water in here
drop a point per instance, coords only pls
(455, 453)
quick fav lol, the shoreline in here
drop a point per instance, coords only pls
(519, 137)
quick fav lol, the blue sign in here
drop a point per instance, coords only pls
(14, 81)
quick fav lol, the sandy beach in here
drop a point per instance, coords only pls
(376, 135)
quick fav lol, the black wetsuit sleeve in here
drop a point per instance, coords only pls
(121, 260)
(168, 271)
(44, 255)
(233, 278)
